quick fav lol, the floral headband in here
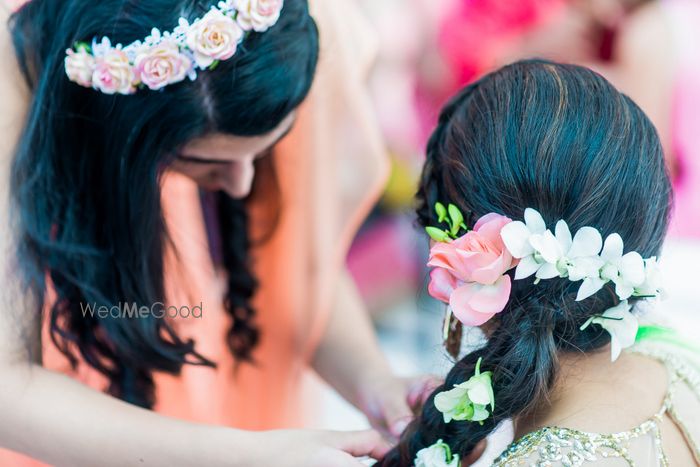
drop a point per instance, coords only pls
(470, 271)
(470, 274)
(165, 58)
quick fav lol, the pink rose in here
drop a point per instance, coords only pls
(470, 272)
(114, 74)
(214, 37)
(162, 64)
(80, 66)
(258, 15)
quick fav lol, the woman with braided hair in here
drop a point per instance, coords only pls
(547, 198)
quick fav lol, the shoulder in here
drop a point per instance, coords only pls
(14, 92)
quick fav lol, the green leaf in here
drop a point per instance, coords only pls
(441, 211)
(214, 64)
(457, 218)
(82, 46)
(438, 235)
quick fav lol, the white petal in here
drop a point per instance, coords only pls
(563, 234)
(623, 290)
(615, 349)
(547, 271)
(587, 242)
(632, 269)
(534, 221)
(547, 245)
(590, 286)
(516, 237)
(580, 268)
(526, 267)
(479, 394)
(613, 247)
(622, 326)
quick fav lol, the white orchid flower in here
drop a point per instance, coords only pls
(469, 400)
(516, 237)
(652, 286)
(626, 271)
(437, 455)
(620, 324)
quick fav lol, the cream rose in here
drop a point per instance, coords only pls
(114, 74)
(258, 15)
(214, 37)
(160, 65)
(80, 66)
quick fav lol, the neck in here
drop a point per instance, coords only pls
(593, 394)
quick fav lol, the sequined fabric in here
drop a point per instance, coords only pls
(554, 446)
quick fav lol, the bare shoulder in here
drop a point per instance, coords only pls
(14, 93)
(17, 326)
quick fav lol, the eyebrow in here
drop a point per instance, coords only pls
(204, 160)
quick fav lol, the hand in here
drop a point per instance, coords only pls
(306, 448)
(390, 403)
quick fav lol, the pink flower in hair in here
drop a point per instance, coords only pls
(214, 37)
(113, 73)
(258, 15)
(80, 66)
(470, 271)
(162, 64)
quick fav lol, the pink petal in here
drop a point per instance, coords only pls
(490, 226)
(441, 285)
(492, 298)
(474, 304)
(492, 272)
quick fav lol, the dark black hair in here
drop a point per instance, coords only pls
(562, 140)
(87, 173)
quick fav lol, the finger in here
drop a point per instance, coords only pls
(347, 460)
(397, 414)
(420, 390)
(361, 443)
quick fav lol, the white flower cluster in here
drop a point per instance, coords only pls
(585, 257)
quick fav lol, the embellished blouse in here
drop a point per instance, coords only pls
(640, 446)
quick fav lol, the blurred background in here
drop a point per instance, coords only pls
(427, 50)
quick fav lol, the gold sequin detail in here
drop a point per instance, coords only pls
(554, 446)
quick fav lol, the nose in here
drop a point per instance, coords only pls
(238, 178)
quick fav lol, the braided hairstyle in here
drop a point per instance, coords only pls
(562, 140)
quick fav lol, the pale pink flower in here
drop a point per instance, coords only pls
(80, 66)
(113, 73)
(258, 15)
(470, 272)
(214, 37)
(162, 64)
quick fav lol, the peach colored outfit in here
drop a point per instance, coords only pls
(330, 171)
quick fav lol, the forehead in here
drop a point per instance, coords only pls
(224, 146)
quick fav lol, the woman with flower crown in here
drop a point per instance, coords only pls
(547, 199)
(131, 133)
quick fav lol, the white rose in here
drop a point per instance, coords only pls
(214, 37)
(80, 66)
(114, 74)
(258, 15)
(160, 65)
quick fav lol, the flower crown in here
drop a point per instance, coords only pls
(471, 271)
(165, 58)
